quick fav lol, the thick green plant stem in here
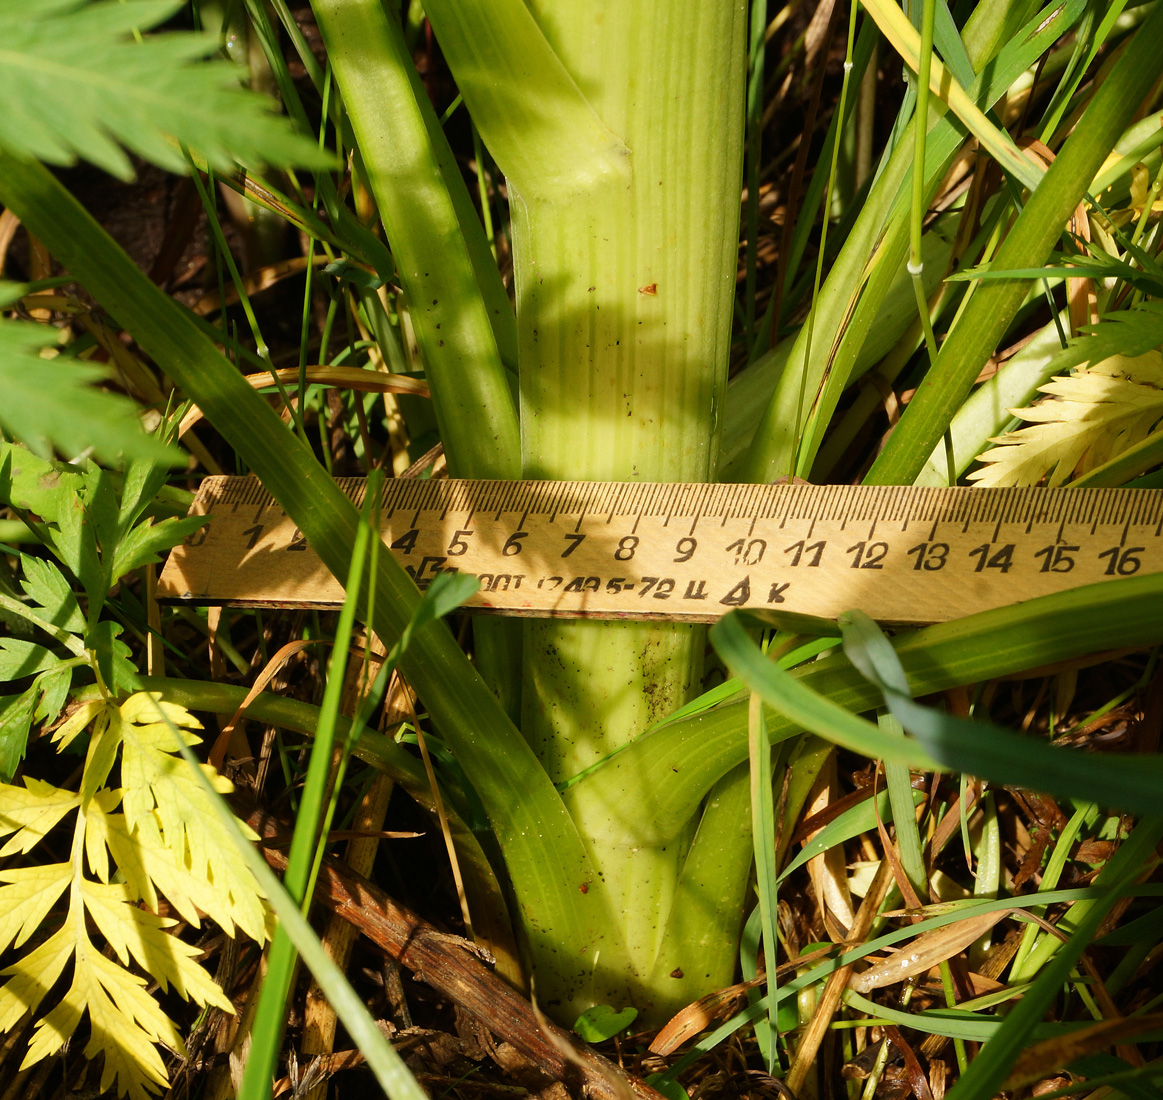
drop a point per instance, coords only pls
(624, 198)
(1029, 243)
(526, 813)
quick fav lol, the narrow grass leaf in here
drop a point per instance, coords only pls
(1038, 228)
(804, 706)
(996, 754)
(988, 1070)
(763, 842)
(310, 828)
(904, 799)
(904, 39)
(860, 819)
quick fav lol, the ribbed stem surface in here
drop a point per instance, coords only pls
(624, 300)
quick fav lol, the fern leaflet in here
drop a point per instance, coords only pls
(75, 82)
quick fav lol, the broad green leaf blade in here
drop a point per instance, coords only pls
(536, 121)
(75, 83)
(20, 657)
(49, 403)
(421, 199)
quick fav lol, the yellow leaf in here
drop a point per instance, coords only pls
(102, 755)
(147, 707)
(1090, 417)
(31, 811)
(173, 844)
(138, 934)
(125, 1022)
(65, 733)
(159, 786)
(96, 846)
(30, 978)
(26, 900)
(106, 831)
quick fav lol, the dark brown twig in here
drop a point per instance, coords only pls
(446, 964)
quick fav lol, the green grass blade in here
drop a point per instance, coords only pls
(271, 1013)
(851, 823)
(763, 840)
(1029, 243)
(904, 799)
(959, 911)
(905, 40)
(988, 1070)
(1130, 782)
(410, 170)
(851, 297)
(804, 707)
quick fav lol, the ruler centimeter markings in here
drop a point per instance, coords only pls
(688, 552)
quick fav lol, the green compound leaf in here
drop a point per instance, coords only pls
(75, 82)
(16, 713)
(49, 403)
(45, 585)
(36, 484)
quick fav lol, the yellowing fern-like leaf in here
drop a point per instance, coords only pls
(158, 784)
(1093, 416)
(29, 895)
(31, 811)
(167, 842)
(137, 933)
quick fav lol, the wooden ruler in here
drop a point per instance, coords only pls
(609, 550)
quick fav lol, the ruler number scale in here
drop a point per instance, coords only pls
(688, 552)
